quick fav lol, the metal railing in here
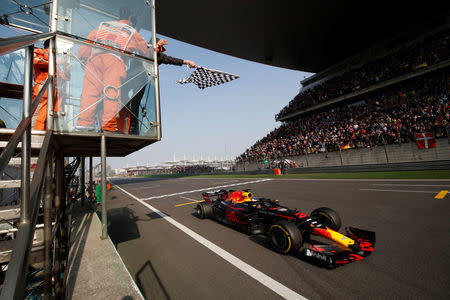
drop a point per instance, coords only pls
(13, 287)
(49, 173)
(8, 152)
(14, 284)
(8, 45)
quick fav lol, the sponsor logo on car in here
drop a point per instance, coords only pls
(316, 255)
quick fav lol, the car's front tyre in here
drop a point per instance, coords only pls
(327, 217)
(285, 237)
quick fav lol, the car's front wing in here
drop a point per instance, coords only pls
(334, 255)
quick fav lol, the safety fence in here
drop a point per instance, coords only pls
(348, 159)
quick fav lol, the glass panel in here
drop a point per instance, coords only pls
(10, 112)
(11, 71)
(99, 90)
(11, 67)
(32, 14)
(147, 112)
(110, 22)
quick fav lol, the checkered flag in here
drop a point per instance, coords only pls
(204, 77)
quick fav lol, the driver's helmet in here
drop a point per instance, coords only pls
(240, 197)
(246, 197)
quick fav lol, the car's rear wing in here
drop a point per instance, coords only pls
(206, 196)
(220, 194)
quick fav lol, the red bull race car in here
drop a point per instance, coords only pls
(287, 230)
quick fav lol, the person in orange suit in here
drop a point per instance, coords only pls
(104, 71)
(40, 66)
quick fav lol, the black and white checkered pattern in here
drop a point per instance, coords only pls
(204, 77)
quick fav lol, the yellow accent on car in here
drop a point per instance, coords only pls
(341, 239)
(246, 194)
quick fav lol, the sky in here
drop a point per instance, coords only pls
(219, 122)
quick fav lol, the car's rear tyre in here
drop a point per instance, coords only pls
(328, 217)
(285, 237)
(204, 210)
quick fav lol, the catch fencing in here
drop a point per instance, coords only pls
(385, 157)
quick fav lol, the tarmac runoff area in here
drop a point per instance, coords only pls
(172, 254)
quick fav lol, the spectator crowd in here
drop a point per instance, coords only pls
(427, 52)
(392, 116)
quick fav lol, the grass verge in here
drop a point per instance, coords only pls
(432, 174)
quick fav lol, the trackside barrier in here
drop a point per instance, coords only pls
(390, 154)
(408, 166)
(411, 166)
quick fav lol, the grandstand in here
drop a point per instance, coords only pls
(391, 94)
(184, 167)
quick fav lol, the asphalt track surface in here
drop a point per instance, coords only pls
(172, 254)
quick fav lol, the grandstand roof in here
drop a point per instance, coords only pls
(301, 35)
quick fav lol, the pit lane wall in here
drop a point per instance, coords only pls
(378, 155)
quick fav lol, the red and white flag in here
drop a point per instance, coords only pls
(425, 140)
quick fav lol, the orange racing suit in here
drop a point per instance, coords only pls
(104, 72)
(40, 66)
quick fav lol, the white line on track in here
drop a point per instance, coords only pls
(218, 178)
(205, 189)
(388, 184)
(265, 280)
(368, 180)
(147, 187)
(190, 199)
(400, 191)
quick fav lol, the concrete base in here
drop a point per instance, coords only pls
(95, 269)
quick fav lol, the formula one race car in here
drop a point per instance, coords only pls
(286, 229)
